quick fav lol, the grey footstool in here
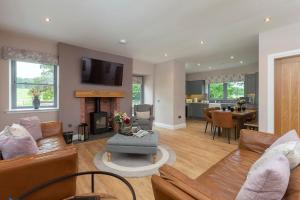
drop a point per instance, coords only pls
(133, 145)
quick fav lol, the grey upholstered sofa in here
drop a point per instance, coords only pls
(145, 124)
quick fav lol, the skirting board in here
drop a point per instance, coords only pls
(168, 126)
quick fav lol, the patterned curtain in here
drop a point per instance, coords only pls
(28, 56)
(225, 78)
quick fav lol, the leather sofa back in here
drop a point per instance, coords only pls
(21, 174)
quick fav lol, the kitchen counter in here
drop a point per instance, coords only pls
(196, 109)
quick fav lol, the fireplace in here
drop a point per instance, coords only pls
(98, 119)
(98, 122)
(97, 109)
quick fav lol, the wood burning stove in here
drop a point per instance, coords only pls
(98, 119)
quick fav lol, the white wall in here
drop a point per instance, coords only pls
(247, 69)
(147, 70)
(278, 41)
(170, 95)
(23, 42)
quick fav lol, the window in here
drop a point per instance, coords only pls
(235, 90)
(216, 91)
(31, 78)
(137, 90)
(230, 90)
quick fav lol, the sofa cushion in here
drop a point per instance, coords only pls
(288, 137)
(143, 115)
(33, 126)
(291, 150)
(16, 141)
(224, 179)
(51, 143)
(268, 182)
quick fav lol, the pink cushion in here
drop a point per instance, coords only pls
(270, 181)
(33, 126)
(288, 137)
(16, 141)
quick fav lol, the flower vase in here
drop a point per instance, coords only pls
(36, 102)
(125, 129)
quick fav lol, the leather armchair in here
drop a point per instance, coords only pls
(145, 124)
(224, 179)
(55, 159)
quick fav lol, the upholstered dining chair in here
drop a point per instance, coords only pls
(143, 116)
(208, 117)
(223, 119)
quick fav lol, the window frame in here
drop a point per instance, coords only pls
(142, 91)
(225, 93)
(13, 88)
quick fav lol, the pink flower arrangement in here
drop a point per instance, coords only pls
(122, 118)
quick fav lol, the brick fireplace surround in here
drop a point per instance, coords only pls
(109, 102)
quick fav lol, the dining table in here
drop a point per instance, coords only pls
(239, 117)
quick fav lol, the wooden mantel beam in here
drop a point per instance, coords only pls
(98, 93)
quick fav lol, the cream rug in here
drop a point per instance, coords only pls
(135, 165)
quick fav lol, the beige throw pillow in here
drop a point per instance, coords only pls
(143, 115)
(291, 150)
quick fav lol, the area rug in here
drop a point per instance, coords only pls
(134, 165)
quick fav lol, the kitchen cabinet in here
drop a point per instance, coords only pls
(195, 87)
(196, 110)
(251, 86)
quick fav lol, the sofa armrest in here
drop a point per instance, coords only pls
(177, 180)
(51, 128)
(163, 190)
(256, 141)
(21, 174)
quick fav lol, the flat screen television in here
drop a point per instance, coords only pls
(101, 72)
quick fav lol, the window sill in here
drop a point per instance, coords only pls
(30, 110)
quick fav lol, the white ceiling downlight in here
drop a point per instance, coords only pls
(47, 19)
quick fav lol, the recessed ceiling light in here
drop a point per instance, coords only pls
(201, 42)
(242, 62)
(231, 57)
(267, 19)
(166, 55)
(47, 19)
(198, 64)
(123, 41)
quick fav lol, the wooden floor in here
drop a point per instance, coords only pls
(195, 152)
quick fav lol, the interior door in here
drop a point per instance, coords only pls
(287, 94)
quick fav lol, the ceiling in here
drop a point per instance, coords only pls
(155, 27)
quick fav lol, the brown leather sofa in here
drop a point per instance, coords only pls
(55, 159)
(224, 179)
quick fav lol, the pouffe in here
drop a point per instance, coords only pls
(133, 145)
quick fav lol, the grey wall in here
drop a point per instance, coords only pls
(70, 80)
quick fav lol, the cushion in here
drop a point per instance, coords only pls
(16, 141)
(288, 137)
(33, 126)
(269, 182)
(143, 115)
(291, 150)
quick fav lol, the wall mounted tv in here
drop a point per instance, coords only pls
(101, 72)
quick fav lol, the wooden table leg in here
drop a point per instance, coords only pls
(154, 156)
(109, 156)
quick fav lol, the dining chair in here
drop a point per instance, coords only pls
(208, 117)
(223, 120)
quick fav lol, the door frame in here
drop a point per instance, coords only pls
(271, 85)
